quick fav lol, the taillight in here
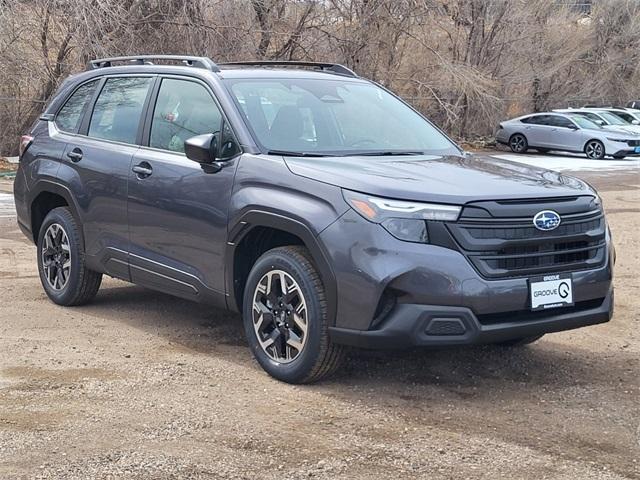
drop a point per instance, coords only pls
(25, 141)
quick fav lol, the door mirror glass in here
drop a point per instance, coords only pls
(202, 148)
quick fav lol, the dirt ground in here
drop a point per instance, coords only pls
(142, 385)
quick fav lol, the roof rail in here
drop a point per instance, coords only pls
(197, 62)
(327, 67)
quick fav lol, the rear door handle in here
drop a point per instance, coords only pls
(75, 155)
(142, 170)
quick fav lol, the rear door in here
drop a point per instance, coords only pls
(537, 130)
(178, 208)
(96, 166)
(564, 134)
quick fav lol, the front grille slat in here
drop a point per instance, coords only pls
(513, 247)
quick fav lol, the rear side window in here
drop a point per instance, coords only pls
(532, 120)
(183, 110)
(558, 121)
(69, 116)
(117, 112)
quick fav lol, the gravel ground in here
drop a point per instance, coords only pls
(144, 386)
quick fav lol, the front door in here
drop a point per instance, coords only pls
(177, 208)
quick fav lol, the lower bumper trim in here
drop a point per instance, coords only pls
(411, 325)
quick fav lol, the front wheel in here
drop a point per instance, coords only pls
(61, 260)
(518, 143)
(594, 149)
(285, 317)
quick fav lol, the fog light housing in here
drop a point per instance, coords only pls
(407, 229)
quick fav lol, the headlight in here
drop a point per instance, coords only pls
(404, 220)
(623, 140)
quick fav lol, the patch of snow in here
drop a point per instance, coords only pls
(572, 163)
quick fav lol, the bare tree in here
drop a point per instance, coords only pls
(465, 63)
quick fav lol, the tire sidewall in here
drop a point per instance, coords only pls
(301, 366)
(62, 217)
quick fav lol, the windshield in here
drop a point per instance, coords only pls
(612, 119)
(334, 117)
(584, 122)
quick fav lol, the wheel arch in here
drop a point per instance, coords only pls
(257, 231)
(518, 132)
(46, 196)
(593, 139)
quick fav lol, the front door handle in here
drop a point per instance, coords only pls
(142, 170)
(75, 155)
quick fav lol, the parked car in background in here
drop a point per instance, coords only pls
(634, 104)
(629, 115)
(607, 120)
(566, 132)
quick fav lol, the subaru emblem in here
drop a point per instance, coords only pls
(546, 220)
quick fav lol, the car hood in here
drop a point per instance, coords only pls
(623, 128)
(430, 178)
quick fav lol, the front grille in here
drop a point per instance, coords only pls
(633, 143)
(513, 247)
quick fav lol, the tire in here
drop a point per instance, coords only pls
(61, 261)
(518, 143)
(272, 329)
(594, 149)
(519, 342)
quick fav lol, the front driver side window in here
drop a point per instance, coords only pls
(183, 110)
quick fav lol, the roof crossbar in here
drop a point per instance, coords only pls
(196, 62)
(327, 67)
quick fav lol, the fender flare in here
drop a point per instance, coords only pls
(261, 218)
(48, 186)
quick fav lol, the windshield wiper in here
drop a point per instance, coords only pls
(384, 153)
(287, 153)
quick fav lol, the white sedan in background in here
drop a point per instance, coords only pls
(607, 120)
(567, 132)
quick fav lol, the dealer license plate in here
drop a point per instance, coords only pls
(637, 149)
(551, 291)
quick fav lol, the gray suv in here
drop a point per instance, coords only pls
(317, 204)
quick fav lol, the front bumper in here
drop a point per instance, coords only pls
(626, 152)
(438, 296)
(432, 326)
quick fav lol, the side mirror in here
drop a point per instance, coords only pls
(599, 122)
(573, 127)
(635, 122)
(202, 148)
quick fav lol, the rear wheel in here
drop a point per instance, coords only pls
(594, 149)
(285, 317)
(518, 143)
(61, 260)
(519, 342)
